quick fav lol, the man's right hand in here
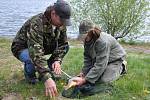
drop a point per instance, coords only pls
(57, 67)
(50, 88)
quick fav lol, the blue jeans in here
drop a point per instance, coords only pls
(29, 69)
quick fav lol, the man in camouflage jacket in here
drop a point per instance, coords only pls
(41, 35)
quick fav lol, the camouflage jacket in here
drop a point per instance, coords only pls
(38, 35)
(98, 54)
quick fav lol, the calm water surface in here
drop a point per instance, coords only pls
(13, 13)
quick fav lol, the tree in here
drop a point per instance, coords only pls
(117, 17)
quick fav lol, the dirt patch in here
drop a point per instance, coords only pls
(138, 49)
(12, 96)
(62, 98)
(129, 48)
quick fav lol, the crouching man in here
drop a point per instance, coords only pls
(43, 34)
(104, 61)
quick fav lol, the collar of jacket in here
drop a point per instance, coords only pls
(89, 43)
(46, 21)
(48, 28)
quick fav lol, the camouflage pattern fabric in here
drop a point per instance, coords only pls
(38, 35)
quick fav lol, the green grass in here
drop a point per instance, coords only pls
(134, 86)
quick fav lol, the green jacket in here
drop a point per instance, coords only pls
(98, 54)
(38, 35)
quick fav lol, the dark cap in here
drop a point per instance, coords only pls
(63, 10)
(85, 26)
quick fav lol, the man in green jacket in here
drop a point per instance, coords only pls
(41, 35)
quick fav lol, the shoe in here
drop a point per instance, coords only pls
(124, 65)
(73, 92)
(31, 80)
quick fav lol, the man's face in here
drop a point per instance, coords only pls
(56, 21)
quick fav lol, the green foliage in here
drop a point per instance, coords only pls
(117, 17)
(131, 42)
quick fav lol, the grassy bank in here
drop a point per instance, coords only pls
(134, 86)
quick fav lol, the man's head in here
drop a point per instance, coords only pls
(89, 30)
(60, 13)
(85, 26)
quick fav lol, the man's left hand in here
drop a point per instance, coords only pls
(57, 67)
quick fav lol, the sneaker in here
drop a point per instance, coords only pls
(124, 65)
(73, 92)
(31, 80)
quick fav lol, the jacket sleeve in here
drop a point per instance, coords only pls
(87, 63)
(102, 57)
(62, 46)
(36, 50)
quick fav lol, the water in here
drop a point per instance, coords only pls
(13, 13)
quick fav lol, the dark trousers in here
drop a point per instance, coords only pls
(29, 68)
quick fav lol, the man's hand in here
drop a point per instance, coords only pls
(50, 88)
(57, 67)
(79, 80)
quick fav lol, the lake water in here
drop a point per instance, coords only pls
(13, 13)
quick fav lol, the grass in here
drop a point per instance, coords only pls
(134, 86)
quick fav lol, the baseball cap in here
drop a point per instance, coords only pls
(63, 10)
(85, 26)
